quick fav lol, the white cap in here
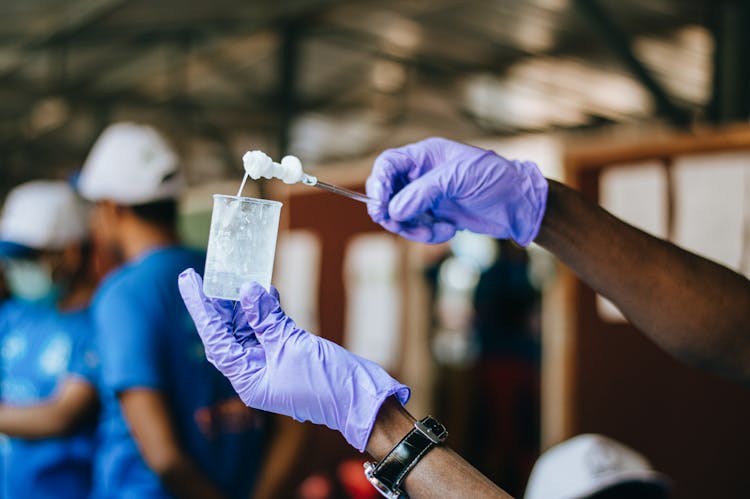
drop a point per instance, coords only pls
(43, 215)
(585, 465)
(130, 164)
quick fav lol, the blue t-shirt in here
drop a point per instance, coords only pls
(39, 348)
(147, 339)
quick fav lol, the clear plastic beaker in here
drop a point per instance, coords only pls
(241, 245)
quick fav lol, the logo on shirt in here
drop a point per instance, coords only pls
(56, 355)
(14, 346)
(228, 416)
(19, 391)
(91, 359)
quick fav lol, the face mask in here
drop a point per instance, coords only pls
(30, 281)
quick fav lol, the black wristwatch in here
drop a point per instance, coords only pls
(389, 474)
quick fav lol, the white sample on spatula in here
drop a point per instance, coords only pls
(258, 164)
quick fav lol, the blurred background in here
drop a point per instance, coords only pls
(641, 104)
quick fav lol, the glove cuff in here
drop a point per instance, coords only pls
(359, 433)
(536, 189)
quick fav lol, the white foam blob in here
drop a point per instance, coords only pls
(291, 168)
(258, 164)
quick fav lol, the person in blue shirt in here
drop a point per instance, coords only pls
(48, 398)
(172, 425)
(4, 293)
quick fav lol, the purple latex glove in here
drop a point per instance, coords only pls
(275, 366)
(433, 188)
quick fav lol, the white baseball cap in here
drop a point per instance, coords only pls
(42, 215)
(587, 464)
(131, 164)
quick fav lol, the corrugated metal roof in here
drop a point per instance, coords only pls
(368, 74)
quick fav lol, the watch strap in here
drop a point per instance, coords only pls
(394, 467)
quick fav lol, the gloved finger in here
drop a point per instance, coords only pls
(419, 233)
(438, 232)
(418, 158)
(246, 376)
(393, 169)
(264, 314)
(222, 350)
(254, 362)
(389, 174)
(257, 303)
(417, 198)
(204, 311)
(392, 226)
(378, 210)
(379, 189)
(442, 231)
(434, 231)
(396, 168)
(247, 340)
(242, 331)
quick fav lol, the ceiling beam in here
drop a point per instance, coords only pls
(370, 44)
(239, 23)
(291, 38)
(730, 100)
(620, 44)
(51, 28)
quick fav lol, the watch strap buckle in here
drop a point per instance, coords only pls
(437, 433)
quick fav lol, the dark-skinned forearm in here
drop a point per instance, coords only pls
(441, 473)
(695, 309)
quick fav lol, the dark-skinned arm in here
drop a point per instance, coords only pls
(693, 308)
(149, 419)
(74, 403)
(440, 474)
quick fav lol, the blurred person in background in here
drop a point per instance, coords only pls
(486, 344)
(172, 425)
(4, 292)
(695, 309)
(593, 466)
(48, 362)
(506, 410)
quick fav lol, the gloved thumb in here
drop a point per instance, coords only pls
(417, 197)
(205, 312)
(213, 319)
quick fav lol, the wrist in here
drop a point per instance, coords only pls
(392, 423)
(400, 444)
(550, 224)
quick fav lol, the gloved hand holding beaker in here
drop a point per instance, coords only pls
(433, 188)
(277, 367)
